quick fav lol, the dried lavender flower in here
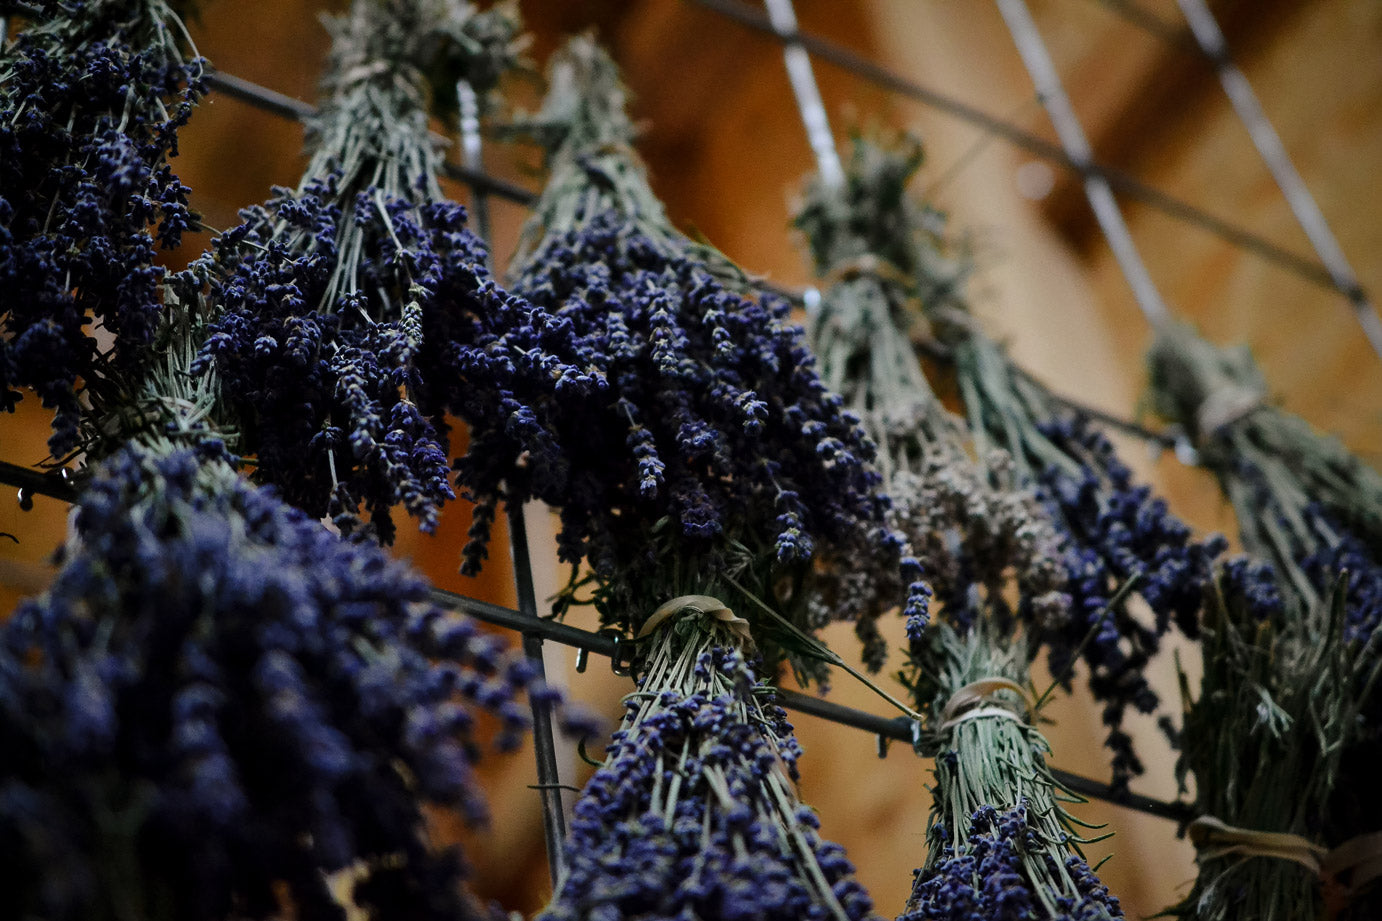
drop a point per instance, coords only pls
(999, 844)
(1313, 512)
(92, 96)
(709, 458)
(1112, 530)
(694, 813)
(218, 701)
(353, 312)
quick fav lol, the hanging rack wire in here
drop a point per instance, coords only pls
(1305, 267)
(1203, 34)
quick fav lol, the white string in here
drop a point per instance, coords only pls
(808, 94)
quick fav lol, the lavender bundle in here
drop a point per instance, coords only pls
(711, 467)
(694, 813)
(91, 97)
(219, 705)
(1112, 530)
(999, 841)
(708, 458)
(354, 312)
(1301, 713)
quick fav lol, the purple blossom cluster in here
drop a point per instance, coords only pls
(219, 702)
(1114, 530)
(91, 98)
(985, 879)
(694, 813)
(340, 389)
(709, 429)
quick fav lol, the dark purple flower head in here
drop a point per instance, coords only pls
(694, 813)
(692, 425)
(91, 98)
(350, 315)
(221, 696)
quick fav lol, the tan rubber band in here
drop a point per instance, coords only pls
(697, 604)
(975, 700)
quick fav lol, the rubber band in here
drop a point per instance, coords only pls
(1225, 406)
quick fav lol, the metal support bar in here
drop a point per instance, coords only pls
(808, 94)
(1037, 60)
(544, 742)
(1307, 212)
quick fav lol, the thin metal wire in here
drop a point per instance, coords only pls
(1037, 60)
(1210, 39)
(808, 94)
(544, 741)
(821, 49)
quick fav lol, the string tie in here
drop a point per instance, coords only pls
(1359, 859)
(977, 700)
(1224, 406)
(697, 604)
(866, 266)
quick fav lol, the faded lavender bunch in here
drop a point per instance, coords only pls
(1112, 530)
(1314, 512)
(708, 457)
(1267, 740)
(999, 841)
(973, 532)
(694, 813)
(354, 312)
(91, 98)
(218, 703)
(982, 542)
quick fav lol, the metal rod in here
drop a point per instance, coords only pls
(1307, 212)
(544, 743)
(52, 485)
(808, 94)
(821, 49)
(1037, 60)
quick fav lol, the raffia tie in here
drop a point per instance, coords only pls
(866, 266)
(1225, 406)
(976, 701)
(1359, 858)
(697, 604)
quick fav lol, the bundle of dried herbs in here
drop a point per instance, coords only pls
(91, 99)
(710, 469)
(1112, 530)
(1297, 704)
(352, 313)
(1000, 844)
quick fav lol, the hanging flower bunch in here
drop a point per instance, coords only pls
(219, 702)
(999, 842)
(1289, 695)
(354, 311)
(1112, 530)
(699, 481)
(710, 457)
(694, 813)
(91, 98)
